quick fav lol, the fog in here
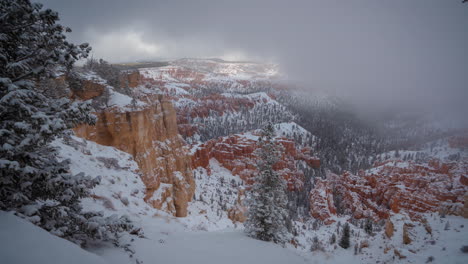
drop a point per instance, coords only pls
(399, 54)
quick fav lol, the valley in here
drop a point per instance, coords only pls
(176, 149)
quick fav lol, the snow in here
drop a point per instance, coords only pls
(232, 76)
(177, 88)
(207, 235)
(23, 243)
(437, 149)
(117, 101)
(92, 76)
(227, 246)
(168, 241)
(256, 97)
(213, 192)
(120, 180)
(122, 101)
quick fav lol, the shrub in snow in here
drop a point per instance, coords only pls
(109, 73)
(464, 249)
(110, 163)
(316, 245)
(368, 226)
(447, 226)
(430, 259)
(267, 200)
(32, 180)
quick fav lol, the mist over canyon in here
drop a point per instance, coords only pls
(233, 131)
(407, 55)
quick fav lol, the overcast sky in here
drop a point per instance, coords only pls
(377, 52)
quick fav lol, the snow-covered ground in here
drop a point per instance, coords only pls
(207, 236)
(21, 242)
(167, 240)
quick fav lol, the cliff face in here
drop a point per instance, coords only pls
(150, 134)
(130, 79)
(89, 90)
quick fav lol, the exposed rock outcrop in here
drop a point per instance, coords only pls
(237, 154)
(130, 79)
(398, 254)
(150, 135)
(395, 186)
(88, 90)
(238, 212)
(389, 228)
(406, 234)
(321, 205)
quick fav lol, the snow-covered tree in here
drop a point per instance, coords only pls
(368, 226)
(33, 182)
(267, 200)
(344, 241)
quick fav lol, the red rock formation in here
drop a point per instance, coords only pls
(321, 202)
(389, 228)
(150, 135)
(130, 79)
(89, 90)
(236, 153)
(395, 186)
(238, 212)
(199, 79)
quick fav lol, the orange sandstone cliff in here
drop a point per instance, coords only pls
(150, 134)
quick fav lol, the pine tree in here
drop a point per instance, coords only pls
(344, 241)
(368, 226)
(267, 200)
(33, 182)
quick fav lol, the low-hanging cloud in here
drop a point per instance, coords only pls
(387, 54)
(122, 45)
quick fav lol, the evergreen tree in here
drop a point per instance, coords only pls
(368, 226)
(33, 182)
(267, 200)
(344, 241)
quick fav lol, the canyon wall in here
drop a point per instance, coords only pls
(150, 134)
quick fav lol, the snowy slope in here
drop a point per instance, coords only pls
(227, 247)
(215, 193)
(208, 236)
(121, 190)
(24, 243)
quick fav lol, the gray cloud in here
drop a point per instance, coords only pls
(395, 53)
